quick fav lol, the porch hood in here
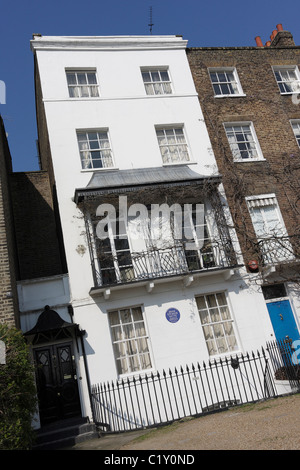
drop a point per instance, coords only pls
(119, 181)
(50, 326)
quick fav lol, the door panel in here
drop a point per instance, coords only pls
(283, 320)
(56, 382)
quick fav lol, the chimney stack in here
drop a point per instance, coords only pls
(278, 38)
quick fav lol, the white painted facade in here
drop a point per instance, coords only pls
(130, 117)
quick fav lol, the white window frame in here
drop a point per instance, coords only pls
(80, 86)
(162, 84)
(269, 238)
(206, 254)
(293, 84)
(125, 340)
(89, 150)
(115, 252)
(236, 153)
(177, 144)
(236, 81)
(212, 326)
(296, 122)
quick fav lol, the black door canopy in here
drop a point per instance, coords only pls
(50, 326)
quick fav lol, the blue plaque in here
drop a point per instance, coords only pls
(172, 315)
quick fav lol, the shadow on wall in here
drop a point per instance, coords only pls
(37, 231)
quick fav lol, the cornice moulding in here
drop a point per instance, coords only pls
(103, 43)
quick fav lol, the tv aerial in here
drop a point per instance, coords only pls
(150, 24)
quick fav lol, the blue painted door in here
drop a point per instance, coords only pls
(283, 320)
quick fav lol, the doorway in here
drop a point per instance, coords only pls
(57, 387)
(281, 313)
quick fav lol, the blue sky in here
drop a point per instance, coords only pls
(202, 23)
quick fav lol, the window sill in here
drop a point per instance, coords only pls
(180, 163)
(88, 170)
(240, 95)
(249, 160)
(138, 374)
(289, 93)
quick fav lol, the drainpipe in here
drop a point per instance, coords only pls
(82, 333)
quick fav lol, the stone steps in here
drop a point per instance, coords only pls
(64, 434)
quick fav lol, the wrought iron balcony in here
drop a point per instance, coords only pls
(278, 250)
(156, 263)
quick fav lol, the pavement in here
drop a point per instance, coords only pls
(268, 425)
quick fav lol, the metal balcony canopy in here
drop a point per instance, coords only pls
(104, 182)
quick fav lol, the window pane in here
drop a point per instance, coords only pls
(164, 76)
(94, 91)
(114, 318)
(137, 314)
(117, 333)
(71, 79)
(81, 77)
(91, 78)
(221, 298)
(146, 76)
(125, 316)
(155, 76)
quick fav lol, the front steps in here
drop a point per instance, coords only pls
(65, 433)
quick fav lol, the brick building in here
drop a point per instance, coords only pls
(8, 262)
(250, 100)
(30, 240)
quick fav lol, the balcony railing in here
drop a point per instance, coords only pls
(157, 263)
(277, 250)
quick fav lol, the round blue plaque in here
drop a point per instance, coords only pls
(172, 315)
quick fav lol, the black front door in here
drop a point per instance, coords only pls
(56, 382)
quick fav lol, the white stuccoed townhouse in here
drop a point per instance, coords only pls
(119, 120)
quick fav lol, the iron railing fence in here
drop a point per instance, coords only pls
(159, 398)
(284, 362)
